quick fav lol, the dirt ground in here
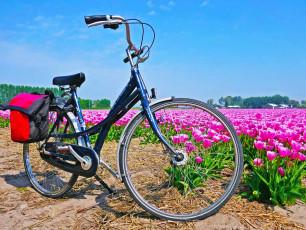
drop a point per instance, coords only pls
(89, 206)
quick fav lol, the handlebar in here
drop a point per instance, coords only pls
(97, 20)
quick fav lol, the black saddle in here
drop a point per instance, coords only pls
(75, 79)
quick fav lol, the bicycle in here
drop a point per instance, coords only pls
(179, 158)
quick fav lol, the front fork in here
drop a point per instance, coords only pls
(147, 110)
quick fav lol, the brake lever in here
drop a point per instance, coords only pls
(111, 26)
(142, 60)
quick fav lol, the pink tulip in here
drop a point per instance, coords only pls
(188, 143)
(183, 138)
(175, 139)
(294, 155)
(202, 129)
(302, 157)
(295, 146)
(259, 145)
(257, 161)
(198, 138)
(283, 151)
(258, 116)
(216, 138)
(190, 148)
(281, 171)
(177, 129)
(199, 159)
(211, 133)
(207, 143)
(196, 133)
(225, 138)
(269, 148)
(271, 155)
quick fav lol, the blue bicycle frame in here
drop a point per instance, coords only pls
(133, 92)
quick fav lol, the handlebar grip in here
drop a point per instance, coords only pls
(97, 18)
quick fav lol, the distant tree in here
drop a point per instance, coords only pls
(295, 103)
(228, 101)
(221, 101)
(104, 103)
(210, 101)
(85, 103)
(9, 91)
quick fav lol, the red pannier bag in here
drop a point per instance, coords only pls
(29, 117)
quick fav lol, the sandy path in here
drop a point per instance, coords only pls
(23, 208)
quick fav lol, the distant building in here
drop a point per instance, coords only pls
(284, 106)
(275, 106)
(233, 106)
(270, 106)
(219, 107)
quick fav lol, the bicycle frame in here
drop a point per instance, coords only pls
(133, 92)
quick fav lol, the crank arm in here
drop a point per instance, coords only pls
(85, 163)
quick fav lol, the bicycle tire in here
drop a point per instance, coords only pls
(39, 172)
(140, 175)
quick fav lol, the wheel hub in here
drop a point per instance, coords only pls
(181, 158)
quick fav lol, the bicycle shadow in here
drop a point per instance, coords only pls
(17, 180)
(119, 203)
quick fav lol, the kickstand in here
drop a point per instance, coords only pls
(104, 184)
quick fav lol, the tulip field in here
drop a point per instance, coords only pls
(273, 141)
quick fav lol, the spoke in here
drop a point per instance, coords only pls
(207, 176)
(195, 187)
(224, 154)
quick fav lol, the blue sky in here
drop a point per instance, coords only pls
(203, 49)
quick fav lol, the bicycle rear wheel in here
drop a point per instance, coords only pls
(199, 182)
(46, 179)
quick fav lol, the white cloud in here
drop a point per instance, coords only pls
(37, 66)
(150, 4)
(83, 36)
(204, 3)
(38, 18)
(152, 12)
(59, 33)
(171, 3)
(163, 7)
(168, 6)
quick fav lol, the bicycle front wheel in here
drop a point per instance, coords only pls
(200, 179)
(46, 179)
